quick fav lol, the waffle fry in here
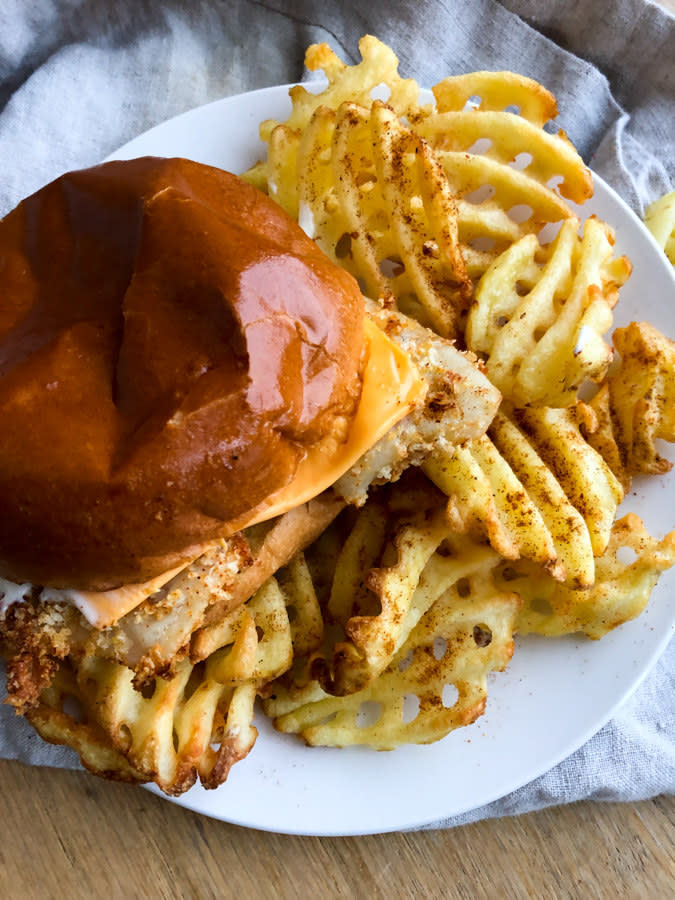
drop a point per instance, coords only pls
(57, 722)
(506, 171)
(353, 84)
(436, 681)
(536, 489)
(620, 592)
(487, 497)
(512, 111)
(635, 407)
(376, 568)
(660, 219)
(166, 739)
(194, 724)
(376, 200)
(587, 480)
(539, 316)
(388, 573)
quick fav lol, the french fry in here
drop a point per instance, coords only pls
(620, 592)
(437, 680)
(539, 316)
(585, 477)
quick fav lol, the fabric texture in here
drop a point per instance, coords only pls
(78, 78)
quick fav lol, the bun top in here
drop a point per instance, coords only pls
(170, 343)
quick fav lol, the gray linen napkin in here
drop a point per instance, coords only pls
(78, 79)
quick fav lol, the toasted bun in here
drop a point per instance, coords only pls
(170, 343)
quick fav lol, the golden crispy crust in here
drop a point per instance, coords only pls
(34, 638)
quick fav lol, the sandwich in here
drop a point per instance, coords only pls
(190, 391)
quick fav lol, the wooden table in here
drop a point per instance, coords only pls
(67, 834)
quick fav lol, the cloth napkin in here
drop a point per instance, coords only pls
(78, 78)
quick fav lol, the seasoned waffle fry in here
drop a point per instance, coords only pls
(462, 637)
(660, 219)
(345, 84)
(636, 405)
(376, 200)
(487, 496)
(373, 593)
(493, 116)
(405, 590)
(194, 724)
(166, 739)
(501, 164)
(505, 491)
(424, 222)
(585, 477)
(620, 592)
(536, 489)
(572, 560)
(539, 315)
(353, 84)
(90, 742)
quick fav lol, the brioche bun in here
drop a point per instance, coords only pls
(171, 343)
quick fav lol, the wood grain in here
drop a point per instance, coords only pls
(67, 834)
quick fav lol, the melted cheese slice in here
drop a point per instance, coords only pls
(104, 608)
(391, 387)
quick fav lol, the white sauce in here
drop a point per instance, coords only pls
(56, 595)
(12, 593)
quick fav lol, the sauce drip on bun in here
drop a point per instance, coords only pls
(171, 344)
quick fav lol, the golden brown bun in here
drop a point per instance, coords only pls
(170, 342)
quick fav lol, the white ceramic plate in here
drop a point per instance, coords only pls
(555, 694)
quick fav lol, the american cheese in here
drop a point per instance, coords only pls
(391, 388)
(104, 608)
